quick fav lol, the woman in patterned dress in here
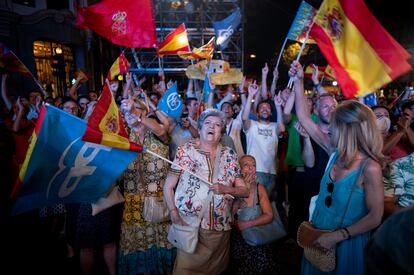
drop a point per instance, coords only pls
(190, 200)
(144, 247)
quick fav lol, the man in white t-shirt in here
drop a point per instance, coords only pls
(262, 137)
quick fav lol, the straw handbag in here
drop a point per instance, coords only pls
(325, 260)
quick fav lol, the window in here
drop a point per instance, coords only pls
(53, 62)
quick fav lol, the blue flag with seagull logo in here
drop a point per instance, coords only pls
(225, 28)
(171, 103)
(64, 169)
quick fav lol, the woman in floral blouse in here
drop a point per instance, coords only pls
(193, 199)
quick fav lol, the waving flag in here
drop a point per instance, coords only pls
(10, 63)
(171, 103)
(174, 42)
(362, 54)
(120, 66)
(61, 168)
(128, 23)
(106, 125)
(204, 52)
(302, 23)
(225, 28)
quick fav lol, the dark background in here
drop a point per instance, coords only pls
(267, 23)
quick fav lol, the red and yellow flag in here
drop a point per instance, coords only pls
(362, 54)
(23, 168)
(174, 42)
(106, 125)
(204, 52)
(120, 66)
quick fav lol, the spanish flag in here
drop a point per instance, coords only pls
(23, 169)
(106, 125)
(362, 54)
(174, 42)
(204, 52)
(120, 66)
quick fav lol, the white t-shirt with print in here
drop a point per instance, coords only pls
(262, 141)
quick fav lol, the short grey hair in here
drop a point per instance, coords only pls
(212, 112)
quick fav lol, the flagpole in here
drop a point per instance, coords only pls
(181, 167)
(280, 53)
(304, 42)
(40, 86)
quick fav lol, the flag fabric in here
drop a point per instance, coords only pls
(171, 103)
(204, 52)
(120, 66)
(362, 54)
(61, 168)
(106, 125)
(370, 99)
(204, 95)
(10, 63)
(301, 24)
(128, 23)
(226, 27)
(175, 42)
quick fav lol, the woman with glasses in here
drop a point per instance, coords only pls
(351, 195)
(193, 202)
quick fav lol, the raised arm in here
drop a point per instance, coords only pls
(296, 71)
(73, 91)
(253, 89)
(279, 116)
(274, 82)
(287, 110)
(162, 81)
(265, 71)
(315, 80)
(308, 155)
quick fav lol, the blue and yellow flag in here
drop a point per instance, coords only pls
(171, 103)
(302, 23)
(61, 168)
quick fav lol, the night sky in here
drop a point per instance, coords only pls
(267, 23)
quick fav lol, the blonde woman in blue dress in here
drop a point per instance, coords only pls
(355, 144)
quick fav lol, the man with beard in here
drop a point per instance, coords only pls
(262, 137)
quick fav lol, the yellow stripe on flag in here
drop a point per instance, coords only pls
(23, 169)
(109, 127)
(178, 42)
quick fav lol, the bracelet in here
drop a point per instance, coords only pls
(347, 232)
(343, 233)
(317, 85)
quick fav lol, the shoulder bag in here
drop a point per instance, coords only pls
(267, 233)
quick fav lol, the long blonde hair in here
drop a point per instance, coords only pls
(353, 129)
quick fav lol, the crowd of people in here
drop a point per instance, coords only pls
(248, 146)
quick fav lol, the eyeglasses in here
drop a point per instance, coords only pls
(328, 199)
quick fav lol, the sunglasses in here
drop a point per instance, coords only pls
(328, 199)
